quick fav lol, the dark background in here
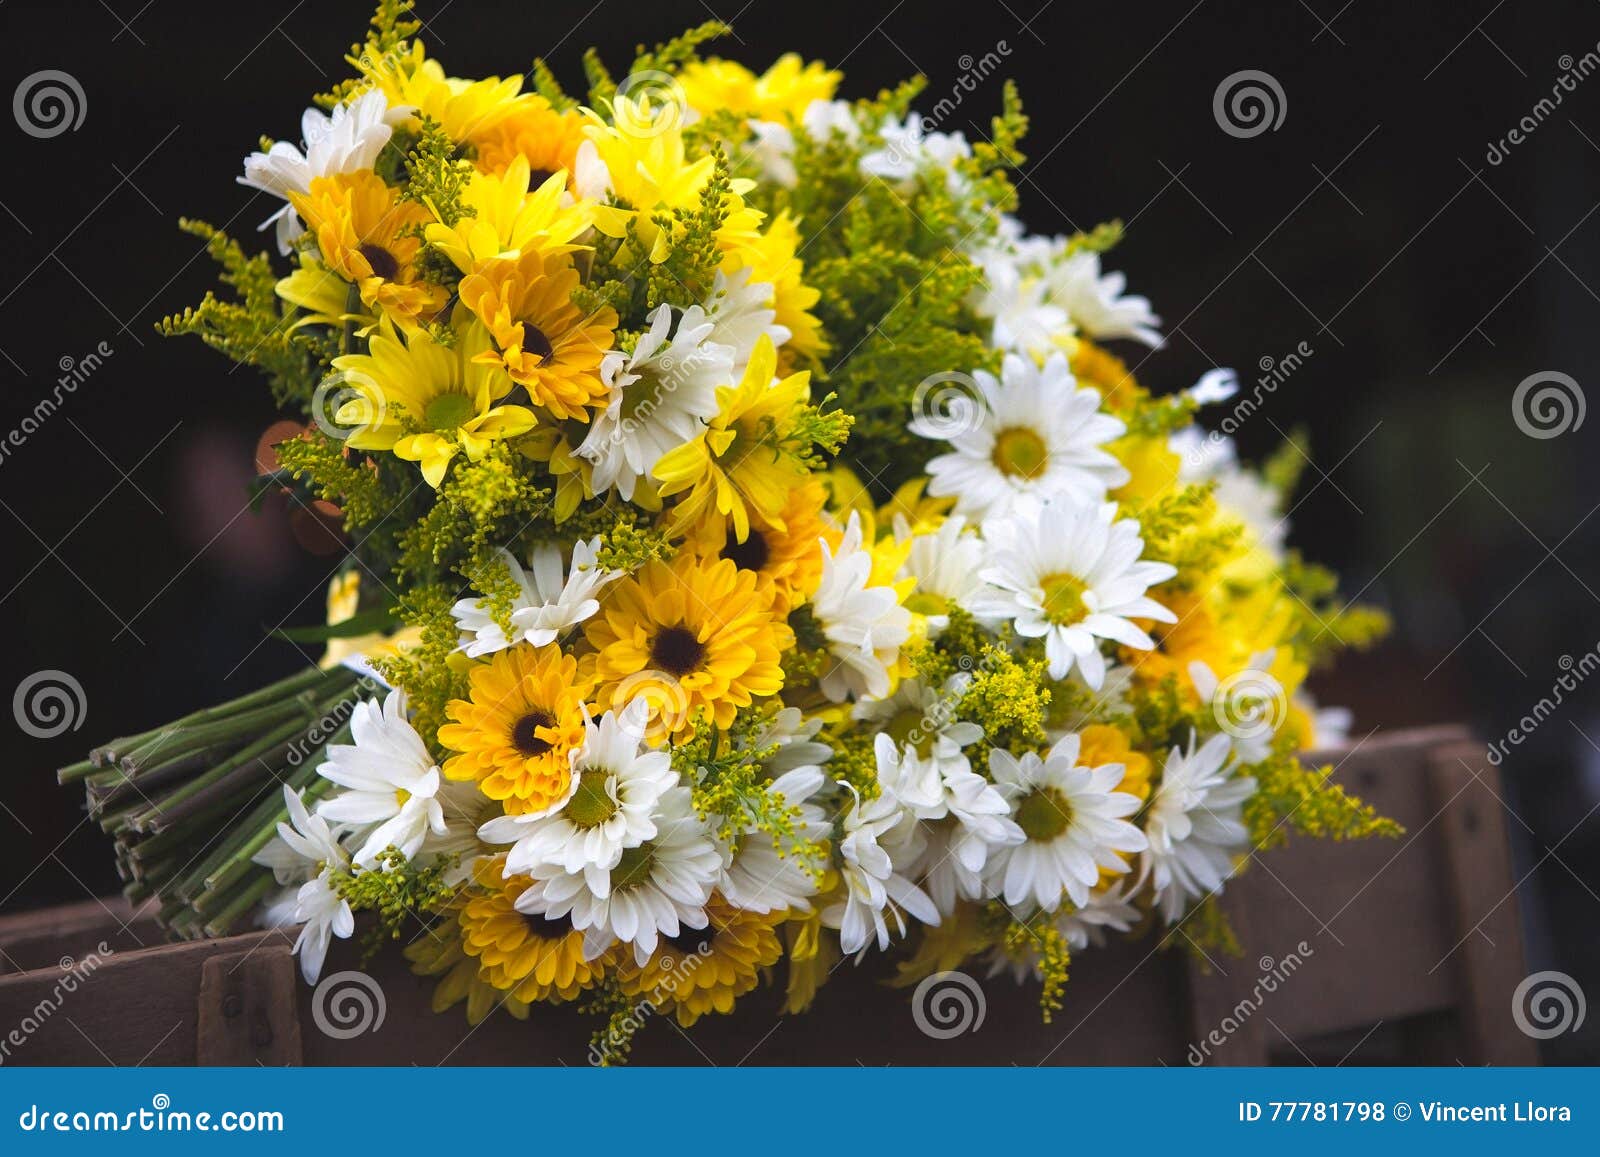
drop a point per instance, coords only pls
(1370, 225)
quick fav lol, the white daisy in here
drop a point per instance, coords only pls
(906, 149)
(346, 140)
(865, 625)
(920, 721)
(1014, 297)
(874, 893)
(947, 565)
(1330, 726)
(656, 890)
(762, 876)
(1213, 457)
(1194, 825)
(609, 808)
(1109, 909)
(466, 809)
(1072, 576)
(1096, 303)
(957, 832)
(660, 395)
(1073, 821)
(306, 849)
(773, 152)
(1038, 436)
(390, 781)
(1252, 707)
(546, 607)
(740, 311)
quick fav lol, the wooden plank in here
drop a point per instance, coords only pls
(40, 938)
(1487, 956)
(133, 1008)
(247, 1008)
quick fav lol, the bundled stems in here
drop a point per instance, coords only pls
(189, 804)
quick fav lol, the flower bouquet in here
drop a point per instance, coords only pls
(758, 559)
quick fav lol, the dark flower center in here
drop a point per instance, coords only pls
(676, 651)
(382, 261)
(548, 927)
(524, 736)
(751, 554)
(534, 342)
(691, 941)
(537, 177)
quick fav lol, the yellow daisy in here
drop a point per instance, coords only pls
(703, 970)
(520, 729)
(744, 465)
(790, 559)
(688, 635)
(438, 952)
(546, 139)
(651, 176)
(542, 339)
(468, 111)
(534, 958)
(780, 93)
(366, 235)
(772, 257)
(507, 219)
(427, 403)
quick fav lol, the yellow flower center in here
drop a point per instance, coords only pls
(401, 795)
(1063, 598)
(1020, 452)
(1043, 814)
(447, 412)
(591, 805)
(634, 868)
(928, 603)
(910, 726)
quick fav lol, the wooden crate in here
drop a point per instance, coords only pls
(1404, 951)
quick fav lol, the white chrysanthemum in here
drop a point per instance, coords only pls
(907, 149)
(1194, 825)
(1038, 437)
(1072, 576)
(1251, 709)
(656, 890)
(547, 605)
(1015, 299)
(1110, 909)
(389, 778)
(1330, 726)
(1095, 302)
(740, 312)
(947, 565)
(921, 720)
(466, 809)
(1074, 822)
(304, 856)
(762, 876)
(346, 140)
(966, 821)
(660, 396)
(874, 892)
(610, 806)
(772, 150)
(865, 625)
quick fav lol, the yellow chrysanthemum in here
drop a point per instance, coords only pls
(773, 257)
(651, 176)
(744, 465)
(546, 139)
(531, 957)
(789, 559)
(366, 234)
(543, 341)
(688, 635)
(813, 954)
(438, 952)
(468, 111)
(944, 946)
(1152, 468)
(1223, 631)
(706, 969)
(322, 296)
(1096, 366)
(909, 505)
(508, 219)
(427, 403)
(780, 93)
(1100, 744)
(344, 600)
(518, 732)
